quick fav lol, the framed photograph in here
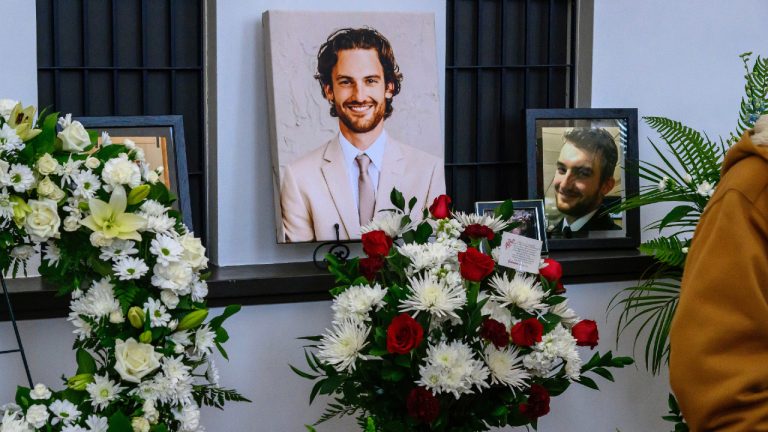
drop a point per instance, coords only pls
(576, 165)
(162, 139)
(530, 214)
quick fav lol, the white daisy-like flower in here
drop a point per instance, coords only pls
(157, 313)
(65, 121)
(568, 316)
(555, 345)
(6, 208)
(391, 222)
(495, 223)
(130, 268)
(82, 329)
(199, 290)
(153, 208)
(10, 142)
(506, 366)
(204, 340)
(105, 139)
(495, 310)
(435, 296)
(98, 301)
(176, 276)
(175, 369)
(102, 391)
(167, 249)
(52, 253)
(96, 423)
(40, 392)
(70, 169)
(341, 346)
(357, 301)
(428, 255)
(21, 178)
(86, 184)
(13, 421)
(522, 291)
(118, 250)
(705, 189)
(73, 428)
(37, 415)
(64, 411)
(212, 372)
(159, 224)
(452, 368)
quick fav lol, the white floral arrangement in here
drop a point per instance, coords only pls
(109, 237)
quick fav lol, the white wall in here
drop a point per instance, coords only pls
(677, 59)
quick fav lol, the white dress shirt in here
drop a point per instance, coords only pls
(580, 222)
(375, 152)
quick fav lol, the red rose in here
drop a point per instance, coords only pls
(423, 405)
(527, 332)
(441, 207)
(370, 266)
(475, 265)
(495, 332)
(403, 334)
(585, 333)
(537, 404)
(376, 243)
(559, 289)
(477, 231)
(553, 271)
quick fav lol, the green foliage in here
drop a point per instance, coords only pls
(675, 416)
(666, 250)
(216, 396)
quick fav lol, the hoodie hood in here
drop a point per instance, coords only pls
(752, 143)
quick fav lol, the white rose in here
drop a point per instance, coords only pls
(47, 165)
(194, 252)
(92, 163)
(71, 223)
(40, 392)
(46, 187)
(37, 415)
(74, 137)
(121, 171)
(6, 106)
(116, 317)
(140, 424)
(57, 194)
(23, 252)
(129, 144)
(150, 412)
(43, 222)
(4, 179)
(100, 240)
(169, 298)
(134, 360)
(189, 417)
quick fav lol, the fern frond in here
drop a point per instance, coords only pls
(336, 409)
(692, 150)
(216, 396)
(668, 250)
(753, 103)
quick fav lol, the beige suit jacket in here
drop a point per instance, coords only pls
(315, 192)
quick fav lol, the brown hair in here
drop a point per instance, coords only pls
(596, 141)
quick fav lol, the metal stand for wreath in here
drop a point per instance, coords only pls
(20, 348)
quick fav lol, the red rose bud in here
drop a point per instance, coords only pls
(376, 243)
(423, 405)
(475, 265)
(585, 333)
(553, 271)
(537, 404)
(559, 289)
(441, 207)
(477, 231)
(495, 332)
(403, 334)
(527, 332)
(370, 266)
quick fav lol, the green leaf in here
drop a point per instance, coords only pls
(119, 422)
(392, 374)
(303, 374)
(228, 312)
(85, 362)
(587, 382)
(423, 231)
(403, 360)
(397, 199)
(676, 214)
(411, 203)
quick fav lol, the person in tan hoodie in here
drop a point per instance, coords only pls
(719, 335)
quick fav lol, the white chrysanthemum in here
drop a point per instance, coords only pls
(130, 268)
(167, 249)
(522, 291)
(176, 276)
(452, 368)
(21, 178)
(428, 255)
(37, 416)
(568, 316)
(64, 411)
(506, 366)
(212, 373)
(82, 329)
(86, 184)
(70, 169)
(159, 224)
(118, 250)
(435, 296)
(199, 290)
(357, 301)
(10, 141)
(495, 311)
(52, 254)
(102, 391)
(13, 421)
(105, 139)
(153, 208)
(204, 341)
(157, 313)
(23, 252)
(555, 345)
(175, 369)
(121, 171)
(65, 120)
(169, 299)
(6, 208)
(341, 346)
(388, 221)
(180, 340)
(96, 423)
(40, 392)
(495, 223)
(446, 228)
(189, 417)
(98, 301)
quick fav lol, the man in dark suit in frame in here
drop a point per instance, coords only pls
(583, 177)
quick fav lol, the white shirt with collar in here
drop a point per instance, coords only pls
(375, 152)
(580, 222)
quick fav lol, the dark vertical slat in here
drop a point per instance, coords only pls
(453, 97)
(201, 118)
(478, 17)
(525, 48)
(56, 55)
(115, 57)
(572, 72)
(172, 40)
(86, 60)
(143, 44)
(502, 112)
(550, 29)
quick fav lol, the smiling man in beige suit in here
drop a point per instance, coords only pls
(348, 179)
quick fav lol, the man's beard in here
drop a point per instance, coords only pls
(362, 124)
(581, 207)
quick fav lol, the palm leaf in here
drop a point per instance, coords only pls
(753, 103)
(667, 250)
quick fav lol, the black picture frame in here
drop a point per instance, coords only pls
(532, 207)
(168, 127)
(621, 122)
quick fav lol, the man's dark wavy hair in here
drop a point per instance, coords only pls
(599, 142)
(362, 38)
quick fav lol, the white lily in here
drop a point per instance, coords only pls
(111, 219)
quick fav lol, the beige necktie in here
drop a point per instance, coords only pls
(365, 189)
